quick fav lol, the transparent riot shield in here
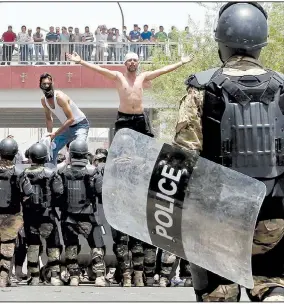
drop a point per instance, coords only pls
(201, 211)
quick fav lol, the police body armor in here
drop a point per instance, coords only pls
(99, 178)
(40, 178)
(79, 189)
(10, 192)
(243, 123)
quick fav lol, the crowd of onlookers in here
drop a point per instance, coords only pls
(104, 44)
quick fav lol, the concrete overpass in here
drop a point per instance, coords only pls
(23, 109)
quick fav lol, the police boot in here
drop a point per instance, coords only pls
(71, 254)
(126, 279)
(7, 252)
(150, 281)
(164, 282)
(4, 279)
(33, 281)
(53, 255)
(138, 278)
(33, 264)
(167, 262)
(277, 295)
(74, 281)
(98, 266)
(274, 298)
(188, 282)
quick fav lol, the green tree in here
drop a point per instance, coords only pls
(272, 55)
(167, 90)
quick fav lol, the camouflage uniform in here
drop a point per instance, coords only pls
(143, 255)
(165, 264)
(39, 221)
(268, 243)
(143, 259)
(77, 218)
(11, 218)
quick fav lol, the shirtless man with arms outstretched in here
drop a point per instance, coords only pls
(130, 89)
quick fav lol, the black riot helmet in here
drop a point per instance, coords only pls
(38, 153)
(78, 149)
(8, 148)
(241, 29)
(102, 151)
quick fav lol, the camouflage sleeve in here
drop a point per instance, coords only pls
(188, 132)
(57, 185)
(25, 185)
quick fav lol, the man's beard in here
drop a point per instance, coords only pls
(48, 92)
(131, 69)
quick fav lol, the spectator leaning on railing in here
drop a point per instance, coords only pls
(38, 38)
(8, 49)
(64, 37)
(23, 39)
(146, 37)
(88, 37)
(78, 38)
(51, 48)
(134, 36)
(30, 45)
(108, 41)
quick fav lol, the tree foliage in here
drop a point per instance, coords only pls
(168, 89)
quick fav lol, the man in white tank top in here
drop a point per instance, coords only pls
(74, 122)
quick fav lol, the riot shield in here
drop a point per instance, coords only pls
(201, 211)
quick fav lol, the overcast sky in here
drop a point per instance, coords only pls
(40, 13)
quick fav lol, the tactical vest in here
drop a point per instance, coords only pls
(10, 193)
(242, 121)
(78, 189)
(99, 178)
(40, 178)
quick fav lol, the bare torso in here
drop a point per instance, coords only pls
(130, 94)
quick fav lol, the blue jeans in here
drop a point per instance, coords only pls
(78, 131)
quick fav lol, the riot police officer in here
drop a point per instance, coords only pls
(100, 161)
(142, 263)
(77, 217)
(15, 187)
(233, 116)
(39, 215)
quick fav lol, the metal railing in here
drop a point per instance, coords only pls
(24, 53)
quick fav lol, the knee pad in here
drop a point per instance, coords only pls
(137, 249)
(97, 255)
(45, 230)
(150, 256)
(71, 252)
(168, 258)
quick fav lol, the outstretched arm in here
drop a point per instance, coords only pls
(105, 72)
(166, 69)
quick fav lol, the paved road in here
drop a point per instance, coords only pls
(90, 293)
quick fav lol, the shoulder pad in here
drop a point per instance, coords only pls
(49, 171)
(19, 170)
(91, 169)
(61, 169)
(200, 79)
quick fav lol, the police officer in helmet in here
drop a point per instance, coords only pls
(39, 216)
(239, 119)
(77, 217)
(15, 187)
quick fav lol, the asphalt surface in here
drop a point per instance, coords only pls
(96, 294)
